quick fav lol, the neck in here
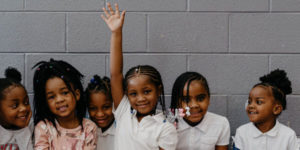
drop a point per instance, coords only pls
(265, 126)
(110, 124)
(68, 123)
(141, 116)
(193, 124)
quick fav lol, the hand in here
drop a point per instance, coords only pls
(113, 18)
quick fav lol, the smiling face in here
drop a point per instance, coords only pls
(197, 100)
(142, 94)
(15, 110)
(61, 100)
(262, 108)
(100, 109)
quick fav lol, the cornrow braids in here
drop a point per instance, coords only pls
(154, 77)
(72, 78)
(12, 78)
(180, 82)
(98, 84)
(279, 83)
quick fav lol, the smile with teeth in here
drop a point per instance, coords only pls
(252, 112)
(23, 117)
(62, 108)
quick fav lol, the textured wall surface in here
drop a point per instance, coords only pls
(231, 42)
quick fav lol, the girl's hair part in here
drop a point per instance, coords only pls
(154, 77)
(12, 78)
(180, 82)
(71, 77)
(98, 84)
(279, 83)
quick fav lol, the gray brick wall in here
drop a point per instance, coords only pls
(231, 42)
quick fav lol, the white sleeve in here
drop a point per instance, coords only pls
(225, 134)
(293, 143)
(122, 108)
(168, 138)
(238, 140)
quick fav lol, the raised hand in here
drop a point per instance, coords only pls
(113, 18)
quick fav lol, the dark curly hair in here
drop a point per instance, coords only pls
(278, 81)
(72, 78)
(12, 78)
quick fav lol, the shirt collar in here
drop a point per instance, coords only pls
(202, 126)
(272, 133)
(109, 131)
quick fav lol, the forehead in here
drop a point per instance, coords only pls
(260, 91)
(196, 86)
(55, 83)
(139, 81)
(99, 98)
(15, 92)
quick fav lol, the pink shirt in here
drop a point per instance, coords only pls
(49, 138)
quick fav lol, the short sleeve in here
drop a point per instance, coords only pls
(293, 143)
(91, 135)
(238, 141)
(41, 136)
(225, 134)
(168, 138)
(122, 108)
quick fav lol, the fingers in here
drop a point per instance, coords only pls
(110, 9)
(117, 9)
(106, 13)
(123, 15)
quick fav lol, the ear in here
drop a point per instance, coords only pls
(277, 109)
(77, 94)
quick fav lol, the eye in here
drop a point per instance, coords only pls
(185, 99)
(133, 94)
(65, 92)
(200, 97)
(249, 101)
(14, 106)
(106, 107)
(50, 97)
(26, 102)
(92, 108)
(259, 102)
(147, 92)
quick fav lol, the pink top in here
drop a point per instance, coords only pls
(49, 138)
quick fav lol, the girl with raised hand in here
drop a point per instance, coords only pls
(266, 102)
(15, 114)
(139, 126)
(198, 129)
(59, 109)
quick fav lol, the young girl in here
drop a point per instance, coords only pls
(15, 113)
(266, 102)
(60, 109)
(198, 129)
(138, 125)
(99, 102)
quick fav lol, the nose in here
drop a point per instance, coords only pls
(193, 103)
(99, 114)
(59, 99)
(23, 107)
(140, 98)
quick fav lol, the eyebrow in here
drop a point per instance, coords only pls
(59, 89)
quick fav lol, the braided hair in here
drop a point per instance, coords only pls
(154, 77)
(180, 82)
(98, 84)
(71, 77)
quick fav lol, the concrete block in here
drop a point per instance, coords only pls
(230, 74)
(229, 5)
(286, 5)
(290, 116)
(264, 33)
(291, 64)
(11, 5)
(32, 32)
(87, 32)
(64, 5)
(191, 32)
(87, 64)
(218, 105)
(169, 66)
(237, 115)
(153, 5)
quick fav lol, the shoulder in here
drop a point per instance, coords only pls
(285, 130)
(244, 128)
(43, 124)
(89, 125)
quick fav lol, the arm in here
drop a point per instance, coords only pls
(91, 136)
(41, 136)
(222, 147)
(115, 23)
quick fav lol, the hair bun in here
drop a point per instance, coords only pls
(279, 79)
(13, 73)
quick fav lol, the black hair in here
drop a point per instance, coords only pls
(71, 77)
(181, 81)
(279, 83)
(12, 78)
(154, 77)
(98, 84)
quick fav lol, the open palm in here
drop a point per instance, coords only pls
(113, 18)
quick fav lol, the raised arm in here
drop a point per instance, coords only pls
(115, 22)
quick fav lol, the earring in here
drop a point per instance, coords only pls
(188, 113)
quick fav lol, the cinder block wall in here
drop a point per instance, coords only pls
(231, 42)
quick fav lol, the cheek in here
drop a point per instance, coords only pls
(108, 112)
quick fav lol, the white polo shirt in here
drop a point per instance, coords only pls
(152, 132)
(280, 137)
(106, 139)
(211, 131)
